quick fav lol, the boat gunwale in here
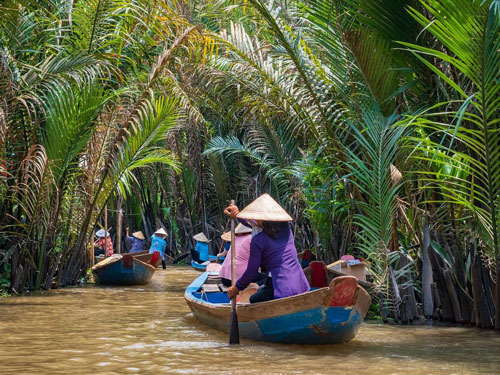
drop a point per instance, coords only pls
(109, 264)
(198, 266)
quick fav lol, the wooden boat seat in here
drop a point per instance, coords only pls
(212, 280)
(223, 288)
(210, 288)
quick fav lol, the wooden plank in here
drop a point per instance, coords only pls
(210, 288)
(223, 288)
(213, 280)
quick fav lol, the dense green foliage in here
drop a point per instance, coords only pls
(375, 123)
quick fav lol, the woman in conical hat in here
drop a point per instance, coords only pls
(158, 246)
(200, 252)
(135, 241)
(242, 254)
(272, 248)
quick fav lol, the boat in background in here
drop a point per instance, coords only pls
(317, 267)
(326, 315)
(202, 267)
(143, 256)
(122, 270)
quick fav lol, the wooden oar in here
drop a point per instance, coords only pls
(234, 332)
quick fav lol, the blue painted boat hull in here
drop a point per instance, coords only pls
(116, 273)
(302, 319)
(198, 266)
(213, 258)
(331, 325)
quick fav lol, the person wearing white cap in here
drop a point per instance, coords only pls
(273, 248)
(158, 246)
(104, 243)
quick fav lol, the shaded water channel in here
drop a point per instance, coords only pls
(149, 329)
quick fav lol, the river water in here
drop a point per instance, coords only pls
(149, 329)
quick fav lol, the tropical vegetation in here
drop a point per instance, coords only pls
(375, 123)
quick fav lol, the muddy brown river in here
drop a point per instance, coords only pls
(150, 330)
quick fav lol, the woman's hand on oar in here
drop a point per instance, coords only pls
(231, 210)
(232, 292)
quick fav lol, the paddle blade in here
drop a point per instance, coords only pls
(234, 332)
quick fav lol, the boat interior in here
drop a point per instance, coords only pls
(211, 289)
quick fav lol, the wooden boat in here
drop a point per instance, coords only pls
(122, 270)
(202, 267)
(327, 315)
(332, 274)
(143, 256)
(214, 258)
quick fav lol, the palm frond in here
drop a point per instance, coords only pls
(473, 134)
(378, 139)
(70, 115)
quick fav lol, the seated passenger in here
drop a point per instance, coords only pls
(274, 248)
(200, 253)
(227, 245)
(242, 253)
(158, 246)
(104, 244)
(136, 241)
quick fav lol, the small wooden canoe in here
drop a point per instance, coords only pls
(328, 315)
(332, 274)
(202, 267)
(122, 270)
(143, 256)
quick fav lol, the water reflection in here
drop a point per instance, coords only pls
(144, 330)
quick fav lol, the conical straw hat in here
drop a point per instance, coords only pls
(240, 229)
(200, 237)
(226, 236)
(161, 231)
(138, 235)
(264, 208)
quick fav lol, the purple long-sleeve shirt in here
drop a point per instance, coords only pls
(279, 256)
